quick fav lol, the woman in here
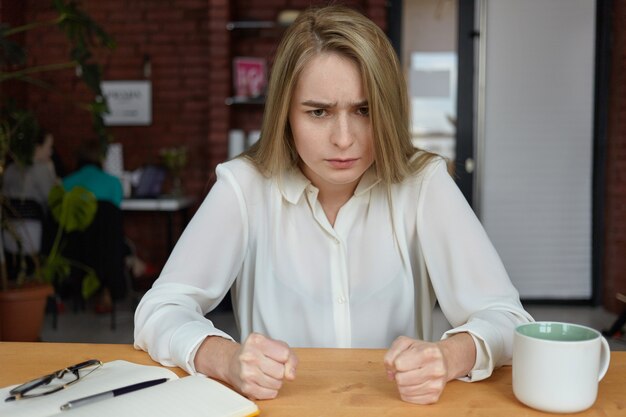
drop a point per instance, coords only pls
(30, 182)
(333, 232)
(32, 179)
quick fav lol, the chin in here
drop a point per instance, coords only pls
(344, 178)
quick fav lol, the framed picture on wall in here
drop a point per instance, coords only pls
(249, 76)
(129, 102)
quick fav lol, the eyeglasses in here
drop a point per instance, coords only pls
(55, 381)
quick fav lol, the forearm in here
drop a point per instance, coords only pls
(214, 356)
(459, 352)
(170, 325)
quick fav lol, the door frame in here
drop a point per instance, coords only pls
(467, 39)
(600, 143)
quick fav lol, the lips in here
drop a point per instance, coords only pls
(342, 163)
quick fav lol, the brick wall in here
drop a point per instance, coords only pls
(12, 11)
(190, 53)
(615, 203)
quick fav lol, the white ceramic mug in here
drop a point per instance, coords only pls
(557, 366)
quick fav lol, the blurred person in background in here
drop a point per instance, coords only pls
(26, 183)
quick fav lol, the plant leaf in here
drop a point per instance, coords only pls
(79, 27)
(55, 269)
(74, 209)
(90, 285)
(91, 76)
(12, 52)
(21, 131)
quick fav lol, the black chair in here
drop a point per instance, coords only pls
(24, 208)
(101, 247)
(616, 329)
(22, 235)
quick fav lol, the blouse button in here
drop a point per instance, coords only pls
(341, 300)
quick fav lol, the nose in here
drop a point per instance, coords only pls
(343, 134)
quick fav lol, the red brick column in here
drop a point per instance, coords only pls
(219, 69)
(12, 12)
(615, 203)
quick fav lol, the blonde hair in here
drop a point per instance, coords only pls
(341, 30)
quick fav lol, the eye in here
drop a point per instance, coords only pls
(363, 111)
(318, 113)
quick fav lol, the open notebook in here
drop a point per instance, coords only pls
(191, 396)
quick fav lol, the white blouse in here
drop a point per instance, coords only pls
(372, 277)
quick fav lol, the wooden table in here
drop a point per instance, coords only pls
(330, 382)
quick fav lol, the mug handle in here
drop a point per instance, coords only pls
(605, 358)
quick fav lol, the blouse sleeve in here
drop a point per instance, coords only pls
(170, 321)
(473, 288)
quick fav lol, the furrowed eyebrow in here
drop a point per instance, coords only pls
(318, 104)
(322, 105)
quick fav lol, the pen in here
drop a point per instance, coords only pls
(110, 394)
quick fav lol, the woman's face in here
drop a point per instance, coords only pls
(330, 123)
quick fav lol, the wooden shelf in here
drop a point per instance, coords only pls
(245, 100)
(250, 24)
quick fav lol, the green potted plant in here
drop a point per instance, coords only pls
(175, 160)
(82, 34)
(73, 210)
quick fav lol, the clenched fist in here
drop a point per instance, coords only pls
(256, 368)
(421, 369)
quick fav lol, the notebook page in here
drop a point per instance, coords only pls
(111, 375)
(191, 396)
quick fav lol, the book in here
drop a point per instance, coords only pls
(190, 396)
(249, 77)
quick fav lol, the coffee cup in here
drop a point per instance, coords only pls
(557, 366)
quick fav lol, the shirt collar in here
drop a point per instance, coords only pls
(368, 181)
(293, 183)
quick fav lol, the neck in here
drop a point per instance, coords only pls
(333, 197)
